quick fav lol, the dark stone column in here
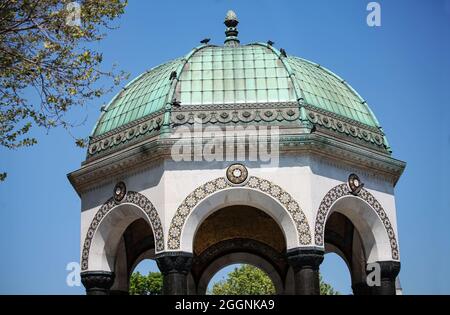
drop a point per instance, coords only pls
(175, 267)
(97, 282)
(361, 289)
(118, 292)
(388, 273)
(305, 263)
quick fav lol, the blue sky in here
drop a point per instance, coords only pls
(400, 68)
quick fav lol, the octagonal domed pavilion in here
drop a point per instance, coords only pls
(237, 154)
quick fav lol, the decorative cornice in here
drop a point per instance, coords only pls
(249, 113)
(340, 118)
(245, 116)
(344, 152)
(280, 112)
(133, 158)
(363, 133)
(126, 126)
(125, 135)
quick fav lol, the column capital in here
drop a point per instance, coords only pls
(388, 273)
(97, 282)
(174, 262)
(389, 269)
(300, 258)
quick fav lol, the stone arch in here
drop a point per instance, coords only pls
(331, 248)
(148, 254)
(240, 258)
(343, 239)
(240, 250)
(295, 220)
(145, 209)
(366, 200)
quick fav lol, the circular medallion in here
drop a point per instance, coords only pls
(119, 191)
(355, 184)
(237, 173)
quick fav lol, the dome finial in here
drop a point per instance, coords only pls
(231, 22)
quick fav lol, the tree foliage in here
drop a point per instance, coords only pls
(327, 289)
(151, 284)
(243, 280)
(249, 280)
(48, 64)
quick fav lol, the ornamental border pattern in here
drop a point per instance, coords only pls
(288, 112)
(125, 134)
(343, 190)
(263, 185)
(127, 125)
(347, 128)
(223, 116)
(341, 118)
(133, 198)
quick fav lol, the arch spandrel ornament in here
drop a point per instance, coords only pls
(221, 183)
(131, 197)
(343, 190)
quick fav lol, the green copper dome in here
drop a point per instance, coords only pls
(252, 73)
(142, 96)
(234, 74)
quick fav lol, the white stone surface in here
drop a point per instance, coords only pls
(305, 177)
